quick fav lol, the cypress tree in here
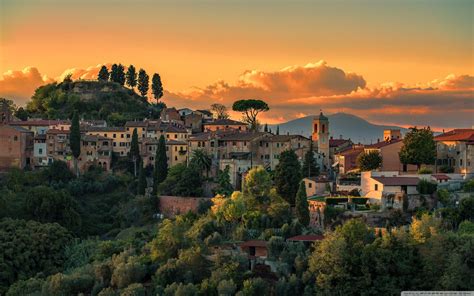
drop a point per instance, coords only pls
(287, 176)
(103, 74)
(302, 207)
(265, 129)
(75, 141)
(114, 73)
(120, 74)
(309, 168)
(131, 76)
(156, 87)
(161, 164)
(141, 181)
(134, 151)
(278, 130)
(143, 82)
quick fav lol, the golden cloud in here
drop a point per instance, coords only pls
(20, 85)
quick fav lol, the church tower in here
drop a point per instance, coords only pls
(321, 137)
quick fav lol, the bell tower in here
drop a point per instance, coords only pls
(321, 137)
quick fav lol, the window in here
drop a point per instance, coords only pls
(121, 136)
(114, 136)
(15, 138)
(315, 127)
(176, 158)
(234, 143)
(324, 128)
(310, 185)
(175, 136)
(376, 187)
(128, 136)
(460, 162)
(40, 151)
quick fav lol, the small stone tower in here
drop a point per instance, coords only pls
(321, 137)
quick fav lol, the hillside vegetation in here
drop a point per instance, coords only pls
(91, 100)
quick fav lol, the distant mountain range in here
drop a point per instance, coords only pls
(343, 125)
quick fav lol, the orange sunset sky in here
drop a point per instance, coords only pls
(403, 62)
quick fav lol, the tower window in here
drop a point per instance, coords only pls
(324, 128)
(315, 127)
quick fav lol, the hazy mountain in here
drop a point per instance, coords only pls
(340, 124)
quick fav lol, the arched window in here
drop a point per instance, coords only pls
(315, 127)
(324, 128)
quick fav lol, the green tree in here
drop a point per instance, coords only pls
(156, 86)
(277, 130)
(120, 74)
(131, 76)
(27, 248)
(161, 164)
(75, 141)
(44, 204)
(141, 181)
(250, 109)
(369, 161)
(103, 74)
(309, 168)
(302, 206)
(224, 186)
(114, 73)
(190, 183)
(418, 147)
(202, 160)
(21, 114)
(287, 176)
(219, 111)
(265, 128)
(134, 153)
(143, 83)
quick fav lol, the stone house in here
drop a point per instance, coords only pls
(16, 148)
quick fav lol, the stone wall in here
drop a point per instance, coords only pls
(171, 206)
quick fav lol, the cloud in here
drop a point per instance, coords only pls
(455, 82)
(84, 74)
(295, 91)
(20, 85)
(313, 79)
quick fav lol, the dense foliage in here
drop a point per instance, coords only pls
(90, 99)
(121, 249)
(369, 161)
(418, 147)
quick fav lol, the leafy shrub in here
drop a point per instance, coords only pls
(126, 270)
(31, 287)
(27, 248)
(446, 169)
(469, 186)
(133, 290)
(61, 284)
(424, 171)
(426, 187)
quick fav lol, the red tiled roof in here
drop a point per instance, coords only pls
(397, 181)
(382, 144)
(254, 243)
(337, 142)
(457, 135)
(57, 131)
(225, 122)
(440, 177)
(307, 238)
(39, 122)
(351, 151)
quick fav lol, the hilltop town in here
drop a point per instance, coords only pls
(172, 200)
